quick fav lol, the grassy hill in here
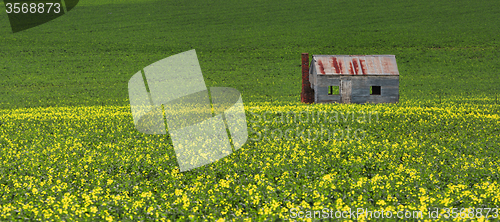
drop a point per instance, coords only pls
(87, 56)
(69, 150)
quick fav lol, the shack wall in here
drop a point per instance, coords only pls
(356, 89)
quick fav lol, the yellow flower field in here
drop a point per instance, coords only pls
(300, 162)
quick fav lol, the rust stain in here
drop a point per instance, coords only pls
(351, 70)
(370, 65)
(385, 65)
(336, 65)
(321, 67)
(391, 66)
(363, 66)
(378, 65)
(341, 66)
(356, 68)
(357, 65)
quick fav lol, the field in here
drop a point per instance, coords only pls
(69, 150)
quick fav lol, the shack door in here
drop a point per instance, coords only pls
(345, 91)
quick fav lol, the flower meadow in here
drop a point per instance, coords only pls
(69, 150)
(300, 162)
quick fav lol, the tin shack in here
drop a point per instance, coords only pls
(354, 78)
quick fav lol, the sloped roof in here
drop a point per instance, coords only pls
(354, 65)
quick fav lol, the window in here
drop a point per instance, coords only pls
(375, 90)
(333, 90)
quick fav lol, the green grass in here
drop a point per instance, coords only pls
(69, 150)
(87, 56)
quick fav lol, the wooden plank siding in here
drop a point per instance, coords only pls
(345, 90)
(330, 80)
(329, 98)
(356, 89)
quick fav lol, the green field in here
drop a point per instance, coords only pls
(69, 149)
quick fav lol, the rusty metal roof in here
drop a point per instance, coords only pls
(354, 65)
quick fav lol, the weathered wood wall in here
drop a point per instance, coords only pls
(356, 89)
